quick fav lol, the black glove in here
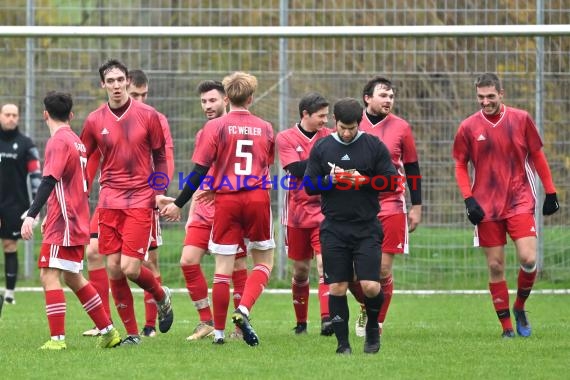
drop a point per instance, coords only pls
(474, 212)
(550, 205)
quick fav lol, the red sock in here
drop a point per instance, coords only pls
(356, 290)
(198, 290)
(55, 310)
(500, 297)
(100, 281)
(221, 300)
(254, 285)
(300, 292)
(93, 306)
(323, 298)
(150, 308)
(387, 288)
(124, 303)
(147, 281)
(239, 277)
(524, 286)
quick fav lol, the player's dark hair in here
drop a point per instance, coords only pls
(209, 85)
(112, 64)
(58, 105)
(371, 85)
(348, 111)
(138, 78)
(488, 80)
(312, 102)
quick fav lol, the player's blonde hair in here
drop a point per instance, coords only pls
(239, 86)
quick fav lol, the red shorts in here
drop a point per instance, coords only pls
(395, 228)
(493, 234)
(302, 243)
(198, 235)
(94, 225)
(125, 231)
(69, 259)
(243, 213)
(156, 232)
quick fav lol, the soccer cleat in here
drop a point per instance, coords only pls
(202, 330)
(109, 340)
(508, 333)
(92, 332)
(360, 327)
(344, 350)
(326, 327)
(131, 340)
(242, 321)
(148, 331)
(165, 313)
(54, 345)
(218, 341)
(10, 300)
(372, 341)
(301, 328)
(523, 325)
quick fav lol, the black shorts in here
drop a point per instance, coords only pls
(351, 248)
(11, 223)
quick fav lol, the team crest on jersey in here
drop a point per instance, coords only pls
(105, 131)
(15, 146)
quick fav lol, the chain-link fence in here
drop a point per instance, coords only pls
(434, 79)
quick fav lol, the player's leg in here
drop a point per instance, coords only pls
(151, 262)
(367, 264)
(338, 265)
(395, 242)
(150, 309)
(257, 222)
(522, 229)
(136, 237)
(239, 277)
(54, 298)
(221, 290)
(98, 276)
(89, 298)
(195, 247)
(491, 236)
(10, 247)
(300, 252)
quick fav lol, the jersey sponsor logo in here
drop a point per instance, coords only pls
(481, 138)
(299, 148)
(346, 157)
(105, 131)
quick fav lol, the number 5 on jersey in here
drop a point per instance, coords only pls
(247, 155)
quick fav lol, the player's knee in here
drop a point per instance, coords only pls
(370, 288)
(496, 268)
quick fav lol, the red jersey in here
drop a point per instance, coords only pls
(300, 209)
(503, 173)
(242, 147)
(204, 213)
(396, 134)
(126, 145)
(67, 219)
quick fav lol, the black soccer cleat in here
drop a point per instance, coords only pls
(344, 350)
(301, 328)
(372, 341)
(326, 327)
(242, 321)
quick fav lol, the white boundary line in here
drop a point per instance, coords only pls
(314, 291)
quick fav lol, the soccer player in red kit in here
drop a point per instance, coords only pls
(199, 227)
(241, 148)
(302, 212)
(129, 138)
(138, 90)
(66, 226)
(504, 147)
(396, 134)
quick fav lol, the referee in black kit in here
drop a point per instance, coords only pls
(349, 168)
